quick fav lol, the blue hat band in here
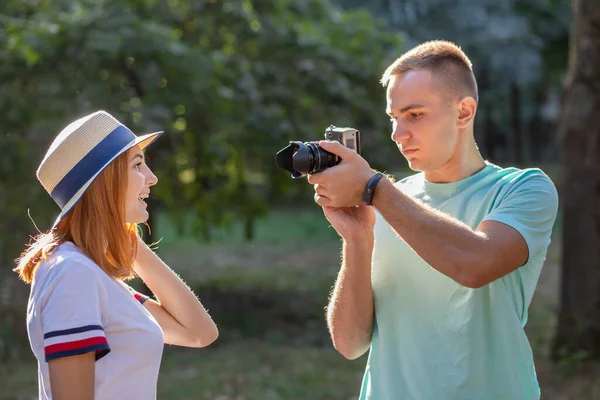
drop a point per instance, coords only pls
(89, 165)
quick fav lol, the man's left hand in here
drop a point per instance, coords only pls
(344, 184)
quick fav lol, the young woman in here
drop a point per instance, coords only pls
(93, 335)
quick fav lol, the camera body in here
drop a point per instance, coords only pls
(306, 158)
(349, 137)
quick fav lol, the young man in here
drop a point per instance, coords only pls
(438, 269)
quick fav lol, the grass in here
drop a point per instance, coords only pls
(245, 369)
(268, 298)
(265, 371)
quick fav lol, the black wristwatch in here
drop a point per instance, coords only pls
(370, 189)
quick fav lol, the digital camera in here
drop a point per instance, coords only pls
(306, 158)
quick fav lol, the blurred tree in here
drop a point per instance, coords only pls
(518, 49)
(230, 81)
(579, 132)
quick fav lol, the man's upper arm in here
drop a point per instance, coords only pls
(519, 228)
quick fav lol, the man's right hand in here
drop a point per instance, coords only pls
(351, 223)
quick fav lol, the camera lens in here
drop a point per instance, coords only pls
(302, 159)
(319, 159)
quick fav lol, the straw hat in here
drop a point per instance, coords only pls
(80, 152)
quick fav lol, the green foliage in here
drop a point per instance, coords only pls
(570, 362)
(229, 81)
(278, 227)
(519, 51)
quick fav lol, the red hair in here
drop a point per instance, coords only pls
(96, 225)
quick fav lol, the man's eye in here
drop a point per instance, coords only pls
(415, 115)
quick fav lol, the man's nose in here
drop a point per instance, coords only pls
(400, 133)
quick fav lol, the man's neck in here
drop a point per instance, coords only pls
(464, 164)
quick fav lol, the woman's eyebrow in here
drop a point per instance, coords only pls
(137, 155)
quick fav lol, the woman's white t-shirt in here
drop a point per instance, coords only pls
(75, 307)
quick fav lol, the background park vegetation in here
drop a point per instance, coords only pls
(231, 82)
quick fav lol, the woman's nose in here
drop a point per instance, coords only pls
(151, 179)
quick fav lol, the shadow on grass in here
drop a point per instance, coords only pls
(278, 317)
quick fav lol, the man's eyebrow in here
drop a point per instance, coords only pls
(411, 106)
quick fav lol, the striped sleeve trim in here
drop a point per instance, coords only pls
(75, 341)
(72, 331)
(138, 296)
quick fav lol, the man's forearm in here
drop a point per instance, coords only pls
(350, 310)
(448, 245)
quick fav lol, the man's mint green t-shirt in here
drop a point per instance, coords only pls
(434, 339)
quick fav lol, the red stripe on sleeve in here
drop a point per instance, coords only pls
(77, 344)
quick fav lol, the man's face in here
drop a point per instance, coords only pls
(423, 120)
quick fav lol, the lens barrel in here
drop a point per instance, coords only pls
(306, 158)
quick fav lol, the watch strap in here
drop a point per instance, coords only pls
(370, 188)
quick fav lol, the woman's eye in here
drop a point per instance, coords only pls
(138, 166)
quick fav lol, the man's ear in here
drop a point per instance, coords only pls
(467, 107)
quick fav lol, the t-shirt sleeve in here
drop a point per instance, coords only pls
(530, 206)
(138, 296)
(72, 314)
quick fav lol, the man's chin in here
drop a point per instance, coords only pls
(415, 166)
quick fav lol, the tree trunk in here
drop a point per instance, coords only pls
(249, 224)
(579, 134)
(516, 131)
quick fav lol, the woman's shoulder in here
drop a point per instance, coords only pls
(67, 261)
(68, 273)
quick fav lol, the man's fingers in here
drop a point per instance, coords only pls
(320, 190)
(313, 179)
(322, 200)
(335, 147)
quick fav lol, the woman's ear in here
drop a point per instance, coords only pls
(467, 108)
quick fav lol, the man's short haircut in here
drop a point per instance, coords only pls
(448, 64)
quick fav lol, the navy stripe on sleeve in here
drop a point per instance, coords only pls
(73, 330)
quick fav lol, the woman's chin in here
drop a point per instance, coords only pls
(139, 218)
